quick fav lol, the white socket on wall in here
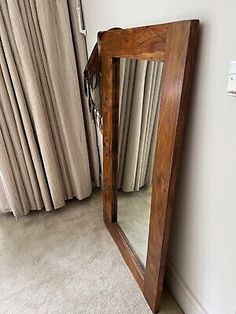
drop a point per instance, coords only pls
(231, 90)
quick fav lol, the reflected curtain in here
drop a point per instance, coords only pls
(48, 150)
(139, 99)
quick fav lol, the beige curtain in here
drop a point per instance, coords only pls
(47, 155)
(139, 98)
(4, 205)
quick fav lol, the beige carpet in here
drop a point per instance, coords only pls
(66, 262)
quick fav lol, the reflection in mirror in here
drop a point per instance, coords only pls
(138, 119)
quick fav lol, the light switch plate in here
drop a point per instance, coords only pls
(231, 90)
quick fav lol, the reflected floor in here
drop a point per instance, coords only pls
(133, 217)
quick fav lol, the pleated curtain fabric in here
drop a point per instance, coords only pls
(139, 99)
(48, 148)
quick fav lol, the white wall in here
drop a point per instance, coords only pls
(202, 251)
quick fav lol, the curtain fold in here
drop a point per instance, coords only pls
(4, 205)
(139, 98)
(47, 153)
(81, 61)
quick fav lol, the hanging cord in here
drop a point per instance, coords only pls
(92, 82)
(92, 85)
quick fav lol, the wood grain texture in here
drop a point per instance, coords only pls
(181, 42)
(175, 44)
(110, 107)
(140, 43)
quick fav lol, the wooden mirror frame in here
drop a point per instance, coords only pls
(175, 44)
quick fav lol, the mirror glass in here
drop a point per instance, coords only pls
(138, 119)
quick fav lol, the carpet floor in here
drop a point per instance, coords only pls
(65, 261)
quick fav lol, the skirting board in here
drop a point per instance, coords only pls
(185, 298)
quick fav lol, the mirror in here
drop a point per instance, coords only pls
(137, 134)
(142, 140)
